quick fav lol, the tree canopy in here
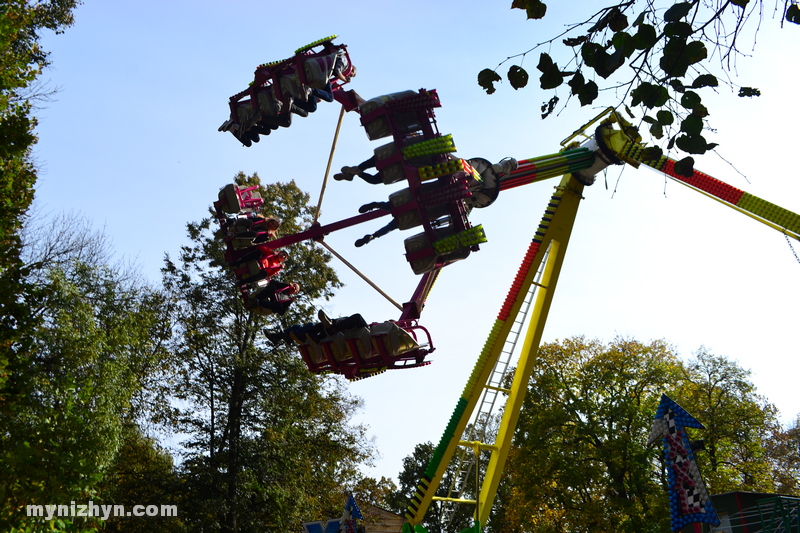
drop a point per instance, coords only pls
(580, 460)
(73, 379)
(676, 53)
(21, 62)
(267, 443)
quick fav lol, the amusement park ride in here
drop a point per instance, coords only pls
(441, 190)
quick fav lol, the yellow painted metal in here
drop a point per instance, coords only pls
(554, 243)
(786, 231)
(607, 116)
(555, 239)
(551, 251)
(453, 500)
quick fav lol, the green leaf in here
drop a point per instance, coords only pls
(678, 29)
(624, 43)
(690, 100)
(645, 37)
(575, 41)
(618, 21)
(673, 62)
(678, 11)
(705, 80)
(551, 77)
(665, 117)
(549, 106)
(591, 53)
(692, 125)
(696, 51)
(693, 144)
(677, 86)
(486, 79)
(653, 153)
(657, 131)
(678, 56)
(740, 3)
(650, 95)
(612, 63)
(588, 93)
(576, 83)
(518, 77)
(793, 14)
(700, 110)
(649, 120)
(685, 167)
(535, 9)
(748, 91)
(545, 62)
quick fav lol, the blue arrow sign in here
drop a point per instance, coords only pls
(688, 498)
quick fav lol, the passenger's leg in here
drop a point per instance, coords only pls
(369, 163)
(310, 106)
(349, 322)
(380, 233)
(252, 255)
(386, 206)
(348, 172)
(370, 178)
(324, 94)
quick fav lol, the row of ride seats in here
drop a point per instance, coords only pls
(380, 345)
(240, 233)
(283, 87)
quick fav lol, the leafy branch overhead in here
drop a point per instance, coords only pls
(668, 48)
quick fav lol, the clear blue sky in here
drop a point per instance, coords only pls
(131, 141)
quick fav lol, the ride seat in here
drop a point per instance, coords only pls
(420, 242)
(318, 70)
(359, 344)
(315, 354)
(389, 160)
(337, 348)
(411, 218)
(388, 337)
(246, 116)
(380, 126)
(267, 103)
(330, 352)
(234, 199)
(251, 268)
(292, 85)
(392, 172)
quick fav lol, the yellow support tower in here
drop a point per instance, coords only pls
(543, 260)
(533, 289)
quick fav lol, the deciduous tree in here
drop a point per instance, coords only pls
(268, 444)
(580, 461)
(98, 332)
(740, 425)
(21, 62)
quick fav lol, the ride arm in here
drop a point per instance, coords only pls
(317, 232)
(614, 141)
(623, 145)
